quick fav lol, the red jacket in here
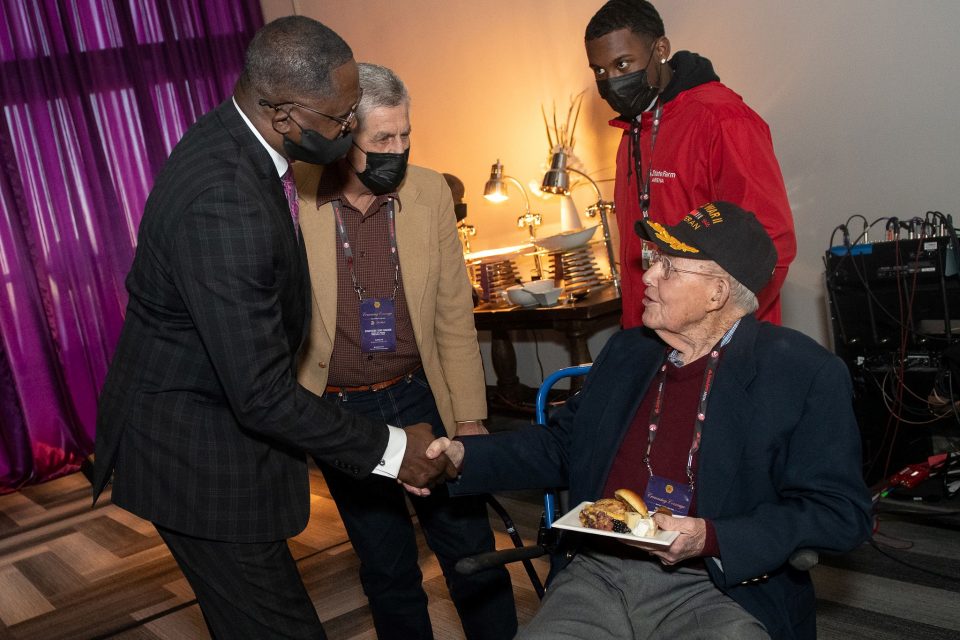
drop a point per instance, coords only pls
(710, 146)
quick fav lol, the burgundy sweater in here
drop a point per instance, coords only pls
(668, 456)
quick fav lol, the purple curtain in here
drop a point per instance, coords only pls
(95, 94)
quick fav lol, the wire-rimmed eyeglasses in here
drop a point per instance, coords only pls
(345, 122)
(667, 268)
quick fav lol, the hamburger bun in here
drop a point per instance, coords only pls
(633, 500)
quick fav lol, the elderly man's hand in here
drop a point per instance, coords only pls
(453, 449)
(444, 448)
(689, 544)
(417, 470)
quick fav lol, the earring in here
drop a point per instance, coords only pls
(663, 61)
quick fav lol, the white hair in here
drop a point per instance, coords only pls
(381, 88)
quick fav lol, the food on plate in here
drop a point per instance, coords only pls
(625, 512)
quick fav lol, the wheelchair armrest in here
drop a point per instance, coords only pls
(804, 559)
(473, 564)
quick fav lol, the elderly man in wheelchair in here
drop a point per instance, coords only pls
(743, 430)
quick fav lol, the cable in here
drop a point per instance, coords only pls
(846, 235)
(913, 566)
(536, 351)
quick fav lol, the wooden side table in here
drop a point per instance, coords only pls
(577, 322)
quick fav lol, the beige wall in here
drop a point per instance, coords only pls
(859, 96)
(478, 73)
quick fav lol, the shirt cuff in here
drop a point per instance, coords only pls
(711, 548)
(389, 464)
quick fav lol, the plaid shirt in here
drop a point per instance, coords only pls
(369, 237)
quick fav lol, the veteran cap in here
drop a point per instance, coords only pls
(722, 232)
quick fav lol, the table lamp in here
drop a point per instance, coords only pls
(495, 190)
(557, 180)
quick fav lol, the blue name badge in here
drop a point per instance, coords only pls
(378, 325)
(667, 493)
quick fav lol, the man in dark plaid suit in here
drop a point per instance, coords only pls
(202, 423)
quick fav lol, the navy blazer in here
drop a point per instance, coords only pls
(779, 468)
(201, 420)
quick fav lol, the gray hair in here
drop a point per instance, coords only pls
(741, 297)
(292, 57)
(381, 88)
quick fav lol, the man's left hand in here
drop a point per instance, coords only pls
(689, 544)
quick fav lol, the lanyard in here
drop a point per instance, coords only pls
(643, 188)
(706, 386)
(348, 252)
(708, 376)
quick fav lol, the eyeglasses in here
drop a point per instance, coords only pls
(346, 123)
(667, 268)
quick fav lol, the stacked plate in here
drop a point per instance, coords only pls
(494, 276)
(578, 270)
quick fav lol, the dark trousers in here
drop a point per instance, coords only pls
(374, 511)
(246, 590)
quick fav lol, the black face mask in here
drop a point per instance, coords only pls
(384, 172)
(460, 210)
(316, 149)
(630, 94)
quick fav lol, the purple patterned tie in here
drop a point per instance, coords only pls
(290, 189)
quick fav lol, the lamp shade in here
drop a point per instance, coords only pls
(557, 179)
(495, 190)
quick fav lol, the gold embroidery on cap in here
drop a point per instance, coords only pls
(664, 235)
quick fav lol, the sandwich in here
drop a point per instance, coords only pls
(625, 512)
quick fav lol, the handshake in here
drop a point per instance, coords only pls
(428, 461)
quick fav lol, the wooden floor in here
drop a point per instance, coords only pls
(69, 572)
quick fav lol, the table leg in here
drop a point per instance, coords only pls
(505, 366)
(579, 353)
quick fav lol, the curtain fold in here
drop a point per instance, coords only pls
(94, 95)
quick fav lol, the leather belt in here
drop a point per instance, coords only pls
(376, 386)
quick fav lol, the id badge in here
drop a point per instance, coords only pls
(667, 493)
(378, 325)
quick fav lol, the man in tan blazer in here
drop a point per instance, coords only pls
(392, 336)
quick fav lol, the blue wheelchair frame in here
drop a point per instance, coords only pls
(550, 497)
(524, 554)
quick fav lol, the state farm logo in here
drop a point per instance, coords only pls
(659, 176)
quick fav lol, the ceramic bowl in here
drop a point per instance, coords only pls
(549, 297)
(518, 295)
(568, 240)
(538, 286)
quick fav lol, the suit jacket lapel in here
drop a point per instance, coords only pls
(320, 235)
(625, 394)
(414, 233)
(729, 407)
(272, 188)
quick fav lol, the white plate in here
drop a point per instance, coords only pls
(571, 522)
(567, 240)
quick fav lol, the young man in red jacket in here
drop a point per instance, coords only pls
(687, 139)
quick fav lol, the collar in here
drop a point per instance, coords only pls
(674, 356)
(279, 161)
(331, 188)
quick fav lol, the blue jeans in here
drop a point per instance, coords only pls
(374, 511)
